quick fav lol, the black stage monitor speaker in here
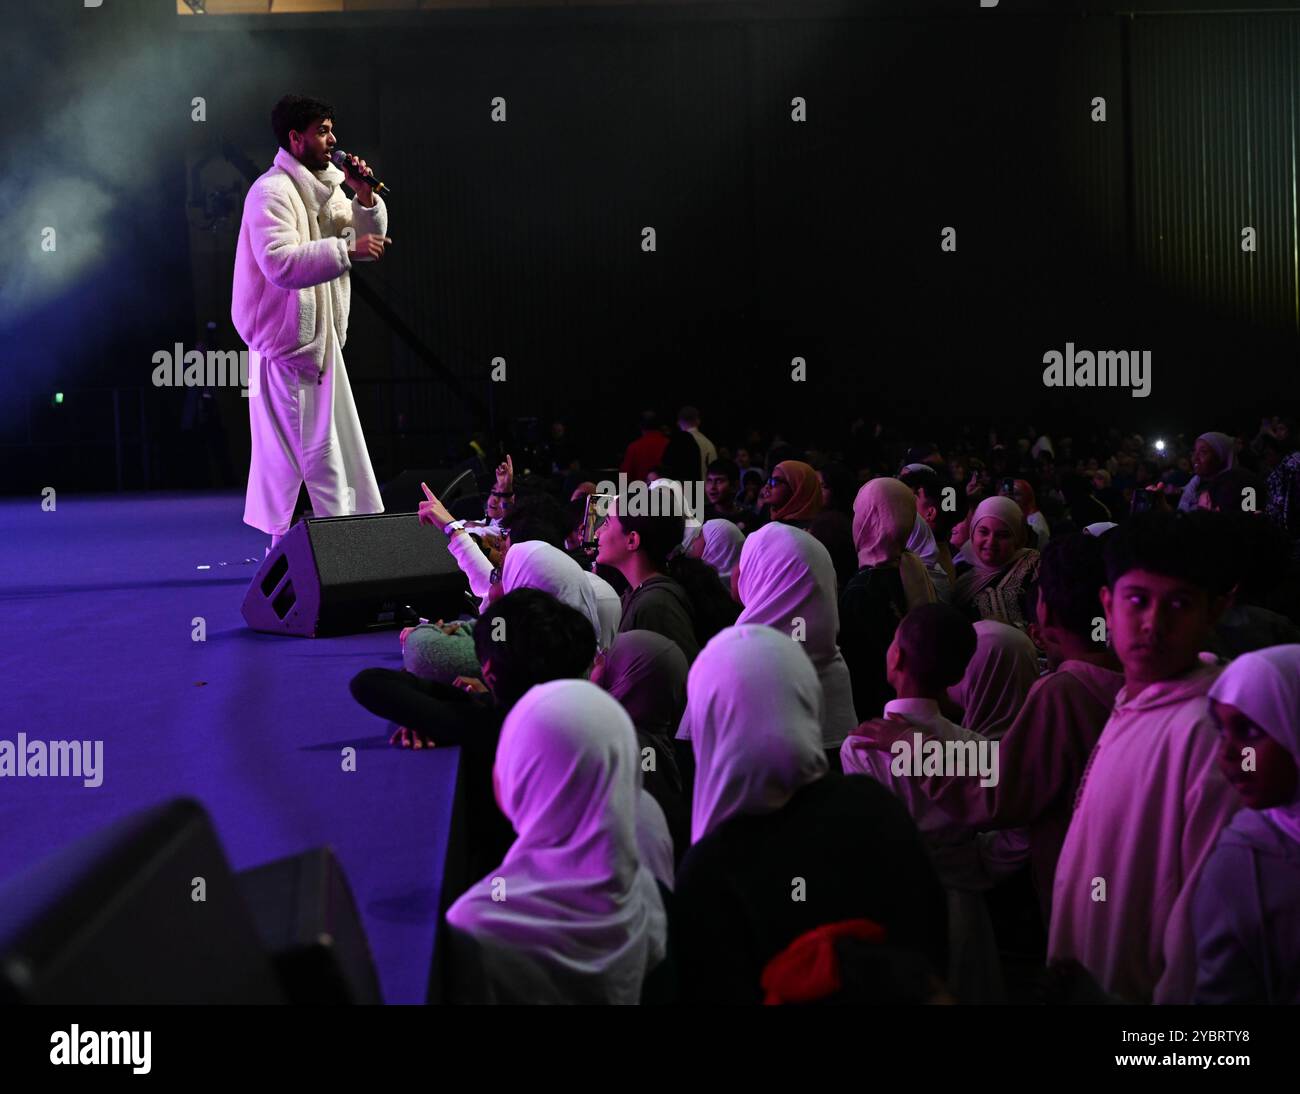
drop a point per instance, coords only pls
(403, 494)
(341, 575)
(308, 922)
(145, 911)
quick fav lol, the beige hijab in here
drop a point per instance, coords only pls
(981, 574)
(884, 515)
(997, 680)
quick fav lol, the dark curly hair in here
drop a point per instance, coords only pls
(1190, 546)
(537, 516)
(296, 113)
(544, 640)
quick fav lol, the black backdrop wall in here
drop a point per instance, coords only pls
(775, 239)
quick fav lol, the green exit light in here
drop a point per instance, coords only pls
(58, 398)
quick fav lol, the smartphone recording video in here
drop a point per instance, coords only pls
(596, 512)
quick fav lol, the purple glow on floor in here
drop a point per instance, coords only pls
(98, 600)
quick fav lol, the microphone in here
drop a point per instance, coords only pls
(340, 160)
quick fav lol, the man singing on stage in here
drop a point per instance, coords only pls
(298, 239)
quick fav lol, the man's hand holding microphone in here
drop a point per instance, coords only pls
(368, 247)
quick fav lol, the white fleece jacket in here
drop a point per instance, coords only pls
(292, 263)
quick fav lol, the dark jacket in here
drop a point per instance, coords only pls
(855, 851)
(871, 606)
(661, 605)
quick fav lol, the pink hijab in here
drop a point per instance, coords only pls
(884, 518)
(787, 581)
(998, 678)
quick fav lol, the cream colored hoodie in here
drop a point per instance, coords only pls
(1150, 808)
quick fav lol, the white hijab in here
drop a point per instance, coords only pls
(787, 581)
(998, 678)
(998, 507)
(576, 917)
(1225, 448)
(609, 608)
(722, 545)
(691, 530)
(538, 565)
(654, 842)
(754, 712)
(922, 543)
(1265, 686)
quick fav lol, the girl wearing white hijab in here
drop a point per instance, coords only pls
(719, 546)
(997, 680)
(571, 915)
(1000, 570)
(786, 580)
(1246, 913)
(444, 652)
(754, 713)
(767, 814)
(538, 565)
(1212, 454)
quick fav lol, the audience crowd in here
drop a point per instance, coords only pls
(972, 719)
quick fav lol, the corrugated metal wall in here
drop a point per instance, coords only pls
(1216, 103)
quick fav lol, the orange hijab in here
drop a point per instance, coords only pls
(805, 491)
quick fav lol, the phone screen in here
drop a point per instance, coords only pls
(594, 517)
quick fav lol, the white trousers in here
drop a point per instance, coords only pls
(305, 429)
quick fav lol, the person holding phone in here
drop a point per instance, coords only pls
(1019, 491)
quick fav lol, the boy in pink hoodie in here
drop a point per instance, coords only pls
(1044, 752)
(1153, 801)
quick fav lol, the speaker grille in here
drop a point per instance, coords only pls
(365, 554)
(340, 575)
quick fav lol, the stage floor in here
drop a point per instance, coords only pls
(98, 600)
